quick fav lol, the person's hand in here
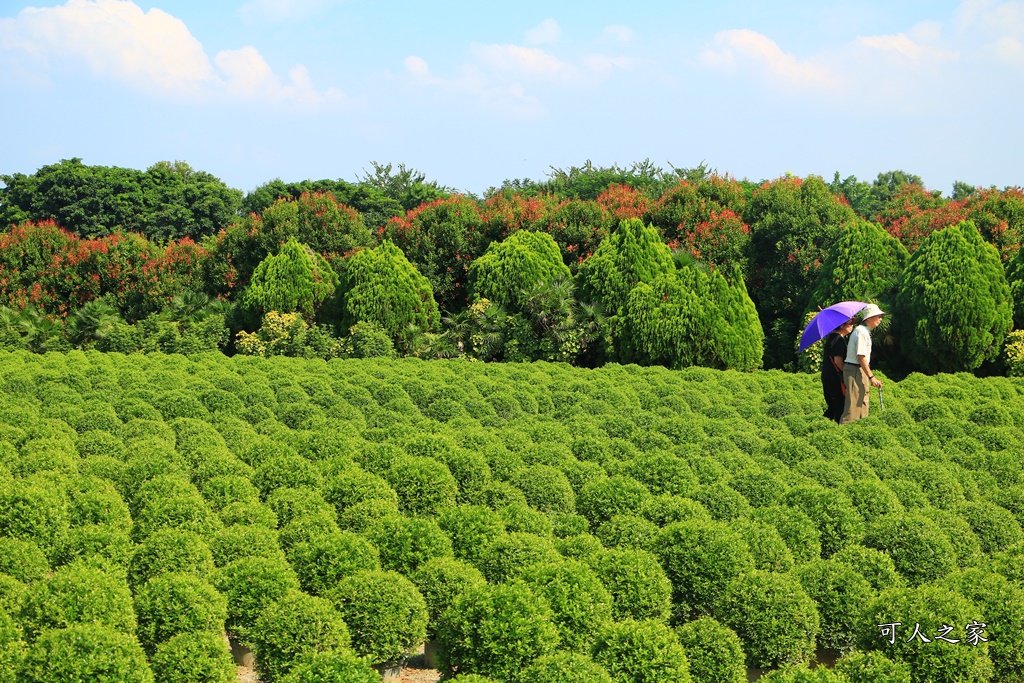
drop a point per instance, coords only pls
(875, 382)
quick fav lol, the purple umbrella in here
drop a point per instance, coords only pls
(827, 320)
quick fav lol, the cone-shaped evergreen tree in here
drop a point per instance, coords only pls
(510, 269)
(295, 280)
(953, 302)
(863, 264)
(1015, 278)
(381, 286)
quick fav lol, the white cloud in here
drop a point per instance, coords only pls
(509, 99)
(746, 50)
(523, 62)
(621, 34)
(150, 51)
(547, 31)
(272, 11)
(922, 44)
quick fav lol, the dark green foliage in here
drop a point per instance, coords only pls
(251, 584)
(381, 286)
(330, 666)
(840, 594)
(508, 555)
(385, 613)
(295, 624)
(86, 652)
(641, 652)
(773, 616)
(580, 604)
(324, 560)
(194, 658)
(564, 667)
(953, 302)
(471, 528)
(916, 544)
(495, 630)
(171, 604)
(77, 595)
(701, 559)
(714, 651)
(509, 269)
(405, 543)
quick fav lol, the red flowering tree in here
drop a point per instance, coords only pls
(507, 212)
(721, 241)
(999, 215)
(913, 213)
(623, 201)
(689, 203)
(578, 226)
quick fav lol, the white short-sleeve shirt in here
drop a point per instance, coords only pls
(859, 345)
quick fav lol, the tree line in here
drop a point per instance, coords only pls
(593, 264)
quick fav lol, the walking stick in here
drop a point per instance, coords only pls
(881, 401)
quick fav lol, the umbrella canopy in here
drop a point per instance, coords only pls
(827, 320)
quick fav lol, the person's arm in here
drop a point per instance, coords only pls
(875, 382)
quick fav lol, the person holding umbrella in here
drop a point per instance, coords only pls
(832, 363)
(857, 375)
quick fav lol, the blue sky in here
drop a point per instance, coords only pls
(472, 93)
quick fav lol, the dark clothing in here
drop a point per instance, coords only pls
(831, 378)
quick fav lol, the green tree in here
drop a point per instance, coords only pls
(295, 280)
(508, 270)
(953, 302)
(863, 264)
(380, 285)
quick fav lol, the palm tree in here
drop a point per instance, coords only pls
(92, 322)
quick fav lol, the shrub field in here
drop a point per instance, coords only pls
(538, 522)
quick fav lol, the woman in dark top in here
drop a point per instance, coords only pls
(832, 370)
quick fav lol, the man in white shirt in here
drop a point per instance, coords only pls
(857, 375)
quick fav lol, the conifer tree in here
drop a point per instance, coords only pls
(510, 269)
(295, 280)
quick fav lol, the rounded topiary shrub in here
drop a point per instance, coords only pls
(580, 604)
(642, 652)
(832, 512)
(700, 559)
(22, 560)
(404, 543)
(565, 667)
(872, 667)
(12, 647)
(471, 528)
(174, 603)
(248, 513)
(385, 614)
(85, 652)
(324, 560)
(33, 511)
(916, 544)
(331, 666)
(295, 624)
(638, 584)
(507, 556)
(307, 527)
(222, 490)
(840, 594)
(521, 517)
(714, 651)
(773, 616)
(495, 630)
(170, 550)
(440, 581)
(355, 485)
(601, 499)
(995, 526)
(930, 608)
(12, 592)
(361, 516)
(238, 541)
(798, 531)
(194, 658)
(874, 565)
(424, 485)
(292, 503)
(251, 584)
(285, 471)
(77, 594)
(546, 489)
(766, 546)
(184, 512)
(802, 673)
(627, 531)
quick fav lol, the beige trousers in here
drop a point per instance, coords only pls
(858, 393)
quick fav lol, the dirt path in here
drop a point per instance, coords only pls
(414, 672)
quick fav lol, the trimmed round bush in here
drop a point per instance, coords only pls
(840, 594)
(440, 581)
(601, 499)
(248, 513)
(77, 594)
(285, 471)
(875, 566)
(173, 603)
(641, 652)
(546, 489)
(235, 542)
(183, 512)
(291, 503)
(385, 614)
(766, 546)
(627, 531)
(872, 667)
(85, 652)
(194, 658)
(996, 527)
(666, 509)
(251, 584)
(580, 604)
(22, 560)
(405, 543)
(507, 556)
(12, 592)
(425, 486)
(12, 648)
(832, 512)
(761, 489)
(700, 559)
(340, 665)
(564, 667)
(639, 587)
(723, 502)
(802, 673)
(221, 491)
(32, 511)
(356, 485)
(917, 546)
(714, 651)
(98, 545)
(930, 607)
(579, 546)
(96, 501)
(495, 630)
(798, 531)
(170, 550)
(361, 516)
(295, 624)
(773, 616)
(873, 499)
(523, 518)
(324, 560)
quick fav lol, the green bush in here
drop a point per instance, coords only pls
(172, 603)
(507, 556)
(251, 584)
(797, 529)
(639, 586)
(181, 512)
(290, 503)
(405, 543)
(361, 516)
(236, 542)
(77, 594)
(564, 667)
(99, 545)
(700, 559)
(295, 624)
(840, 594)
(194, 658)
(580, 604)
(33, 511)
(385, 614)
(802, 673)
(331, 666)
(440, 581)
(248, 514)
(766, 546)
(22, 560)
(285, 471)
(12, 592)
(832, 512)
(424, 485)
(170, 550)
(916, 544)
(495, 630)
(875, 566)
(641, 652)
(773, 616)
(12, 648)
(356, 485)
(85, 652)
(996, 527)
(324, 560)
(872, 667)
(601, 499)
(627, 531)
(546, 489)
(521, 517)
(714, 651)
